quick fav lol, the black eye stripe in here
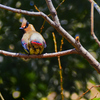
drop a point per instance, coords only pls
(27, 24)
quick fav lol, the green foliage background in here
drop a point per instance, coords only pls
(34, 79)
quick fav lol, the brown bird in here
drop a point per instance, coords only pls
(32, 41)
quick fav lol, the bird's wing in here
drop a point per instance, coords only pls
(36, 42)
(25, 45)
(36, 38)
(44, 44)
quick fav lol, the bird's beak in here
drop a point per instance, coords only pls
(20, 28)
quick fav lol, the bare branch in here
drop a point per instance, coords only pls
(60, 67)
(92, 24)
(95, 5)
(28, 13)
(46, 55)
(53, 12)
(87, 91)
(96, 39)
(82, 51)
(92, 19)
(78, 46)
(1, 96)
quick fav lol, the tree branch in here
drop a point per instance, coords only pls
(95, 5)
(28, 13)
(53, 12)
(82, 51)
(92, 23)
(46, 55)
(77, 45)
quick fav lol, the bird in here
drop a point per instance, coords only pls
(32, 41)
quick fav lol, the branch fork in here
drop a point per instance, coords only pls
(54, 22)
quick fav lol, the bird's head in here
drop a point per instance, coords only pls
(25, 26)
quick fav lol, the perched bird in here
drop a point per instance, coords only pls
(32, 41)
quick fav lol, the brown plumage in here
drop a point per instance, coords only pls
(32, 41)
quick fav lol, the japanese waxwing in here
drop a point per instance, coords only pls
(32, 41)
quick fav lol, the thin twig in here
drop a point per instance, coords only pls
(87, 91)
(1, 97)
(60, 4)
(92, 24)
(92, 19)
(36, 8)
(95, 5)
(96, 39)
(61, 77)
(42, 26)
(62, 42)
(43, 21)
(60, 67)
(94, 96)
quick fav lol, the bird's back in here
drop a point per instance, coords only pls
(32, 41)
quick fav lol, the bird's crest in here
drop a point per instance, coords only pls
(26, 26)
(24, 21)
